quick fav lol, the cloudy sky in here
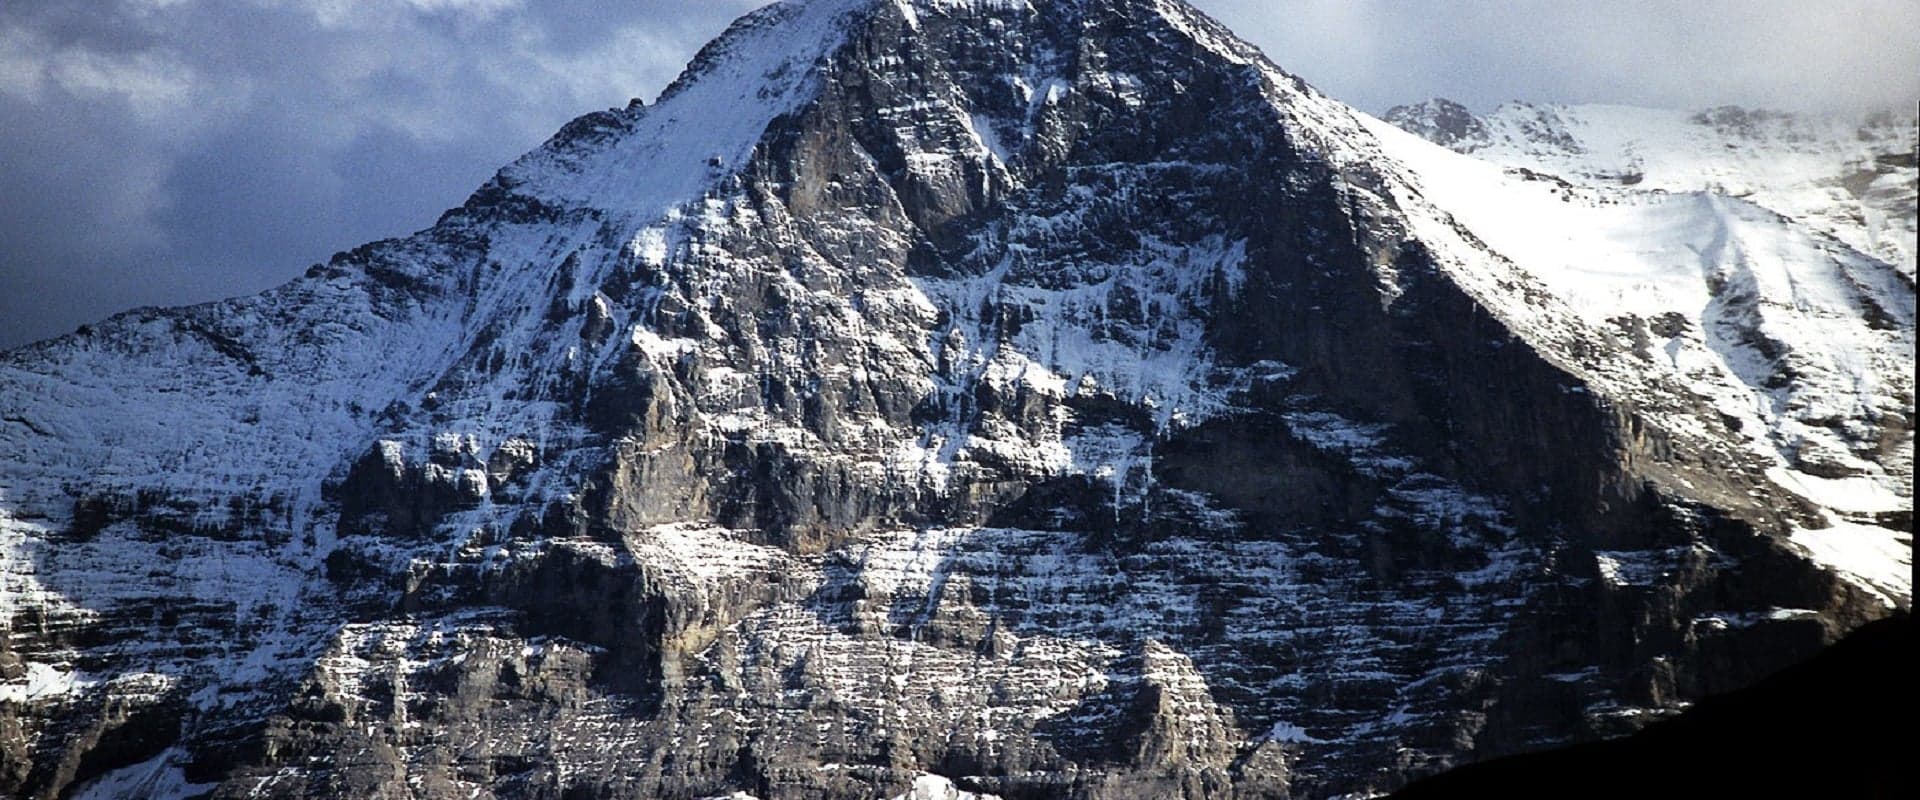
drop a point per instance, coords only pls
(173, 151)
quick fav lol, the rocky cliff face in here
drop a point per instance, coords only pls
(1035, 400)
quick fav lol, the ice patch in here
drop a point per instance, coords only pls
(989, 137)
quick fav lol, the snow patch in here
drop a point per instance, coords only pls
(934, 787)
(1288, 732)
(1857, 495)
(159, 778)
(705, 552)
(1875, 559)
(1739, 620)
(42, 681)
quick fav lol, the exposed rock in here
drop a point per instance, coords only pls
(1441, 121)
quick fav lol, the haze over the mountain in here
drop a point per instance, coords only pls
(920, 397)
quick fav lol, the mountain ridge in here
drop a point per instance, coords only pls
(1847, 175)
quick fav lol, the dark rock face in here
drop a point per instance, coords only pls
(1058, 401)
(1832, 727)
(1441, 121)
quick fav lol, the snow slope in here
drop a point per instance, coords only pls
(1803, 340)
(1849, 176)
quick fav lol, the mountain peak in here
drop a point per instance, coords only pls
(772, 63)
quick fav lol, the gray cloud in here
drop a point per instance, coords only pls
(1836, 55)
(172, 151)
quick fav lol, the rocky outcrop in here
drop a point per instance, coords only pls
(1443, 122)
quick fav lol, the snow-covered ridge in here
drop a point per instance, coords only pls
(1736, 253)
(763, 66)
(1849, 176)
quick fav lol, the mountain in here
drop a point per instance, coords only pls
(1646, 219)
(951, 398)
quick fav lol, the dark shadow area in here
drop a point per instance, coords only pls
(1838, 726)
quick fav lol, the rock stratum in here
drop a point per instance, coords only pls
(952, 398)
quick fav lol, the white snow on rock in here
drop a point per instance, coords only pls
(760, 69)
(1801, 343)
(704, 552)
(158, 778)
(934, 787)
(43, 681)
(1873, 558)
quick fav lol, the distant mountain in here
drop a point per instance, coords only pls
(1849, 177)
(946, 397)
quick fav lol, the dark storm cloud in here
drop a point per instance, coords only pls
(171, 151)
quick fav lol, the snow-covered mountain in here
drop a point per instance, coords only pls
(1746, 252)
(1851, 177)
(940, 396)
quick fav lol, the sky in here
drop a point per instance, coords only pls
(162, 152)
